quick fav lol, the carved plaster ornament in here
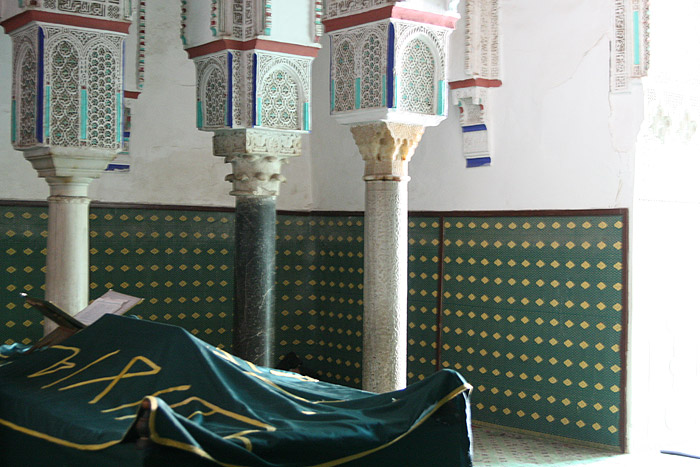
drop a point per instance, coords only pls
(630, 54)
(256, 157)
(387, 148)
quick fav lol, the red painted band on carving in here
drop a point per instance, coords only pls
(132, 94)
(27, 17)
(259, 44)
(390, 12)
(476, 82)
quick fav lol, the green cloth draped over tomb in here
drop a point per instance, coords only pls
(78, 402)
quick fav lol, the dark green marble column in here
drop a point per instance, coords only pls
(256, 157)
(253, 319)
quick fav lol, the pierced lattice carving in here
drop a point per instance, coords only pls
(24, 86)
(371, 82)
(65, 94)
(344, 82)
(102, 98)
(417, 82)
(360, 56)
(280, 100)
(27, 98)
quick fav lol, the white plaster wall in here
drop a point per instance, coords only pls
(559, 140)
(172, 161)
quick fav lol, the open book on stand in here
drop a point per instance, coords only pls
(110, 303)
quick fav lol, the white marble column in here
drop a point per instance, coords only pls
(386, 149)
(67, 260)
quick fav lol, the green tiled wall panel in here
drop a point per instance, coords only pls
(180, 262)
(319, 294)
(22, 265)
(532, 316)
(531, 306)
(423, 279)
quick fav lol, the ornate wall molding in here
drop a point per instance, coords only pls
(482, 39)
(472, 97)
(630, 49)
(482, 69)
(337, 8)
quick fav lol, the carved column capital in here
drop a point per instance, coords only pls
(387, 148)
(256, 157)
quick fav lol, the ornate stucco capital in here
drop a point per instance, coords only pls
(387, 148)
(256, 157)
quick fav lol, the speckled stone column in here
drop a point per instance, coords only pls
(386, 149)
(253, 319)
(256, 157)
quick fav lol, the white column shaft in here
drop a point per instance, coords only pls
(67, 261)
(385, 286)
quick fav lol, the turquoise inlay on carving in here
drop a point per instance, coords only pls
(637, 60)
(47, 113)
(396, 91)
(441, 97)
(383, 90)
(307, 124)
(120, 111)
(258, 117)
(199, 114)
(13, 119)
(358, 97)
(332, 95)
(83, 114)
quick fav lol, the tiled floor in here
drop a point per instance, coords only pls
(504, 449)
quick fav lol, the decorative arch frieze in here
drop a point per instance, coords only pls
(25, 81)
(212, 91)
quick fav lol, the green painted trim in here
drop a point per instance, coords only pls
(13, 120)
(307, 123)
(83, 114)
(120, 111)
(199, 114)
(396, 92)
(332, 95)
(441, 97)
(358, 93)
(383, 90)
(47, 114)
(257, 116)
(637, 59)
